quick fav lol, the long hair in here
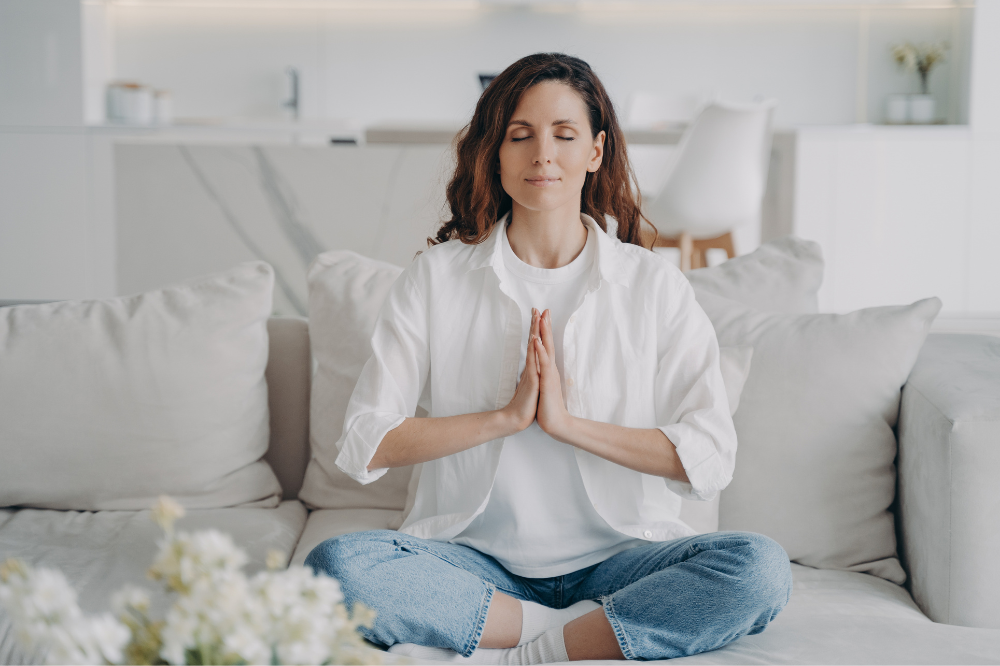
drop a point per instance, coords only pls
(475, 196)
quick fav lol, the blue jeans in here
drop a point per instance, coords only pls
(663, 599)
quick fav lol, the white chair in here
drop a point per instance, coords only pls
(717, 182)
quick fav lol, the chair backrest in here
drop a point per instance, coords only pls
(647, 109)
(720, 174)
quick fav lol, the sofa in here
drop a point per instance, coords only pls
(934, 598)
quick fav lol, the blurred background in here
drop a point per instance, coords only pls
(146, 141)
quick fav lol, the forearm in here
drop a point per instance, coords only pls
(418, 440)
(645, 450)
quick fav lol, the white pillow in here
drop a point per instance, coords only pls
(107, 404)
(346, 291)
(814, 468)
(783, 275)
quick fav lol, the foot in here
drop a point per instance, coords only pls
(546, 649)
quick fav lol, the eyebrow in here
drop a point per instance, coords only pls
(525, 123)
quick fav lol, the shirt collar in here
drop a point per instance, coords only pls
(608, 262)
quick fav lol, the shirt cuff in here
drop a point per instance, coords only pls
(701, 462)
(358, 445)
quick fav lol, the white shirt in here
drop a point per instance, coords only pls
(538, 521)
(638, 352)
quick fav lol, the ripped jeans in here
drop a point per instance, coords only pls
(663, 599)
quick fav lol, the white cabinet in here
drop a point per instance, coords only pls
(901, 214)
(56, 215)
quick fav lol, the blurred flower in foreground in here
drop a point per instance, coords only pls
(218, 615)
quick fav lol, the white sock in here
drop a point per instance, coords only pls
(548, 648)
(536, 618)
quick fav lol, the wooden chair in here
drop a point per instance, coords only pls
(717, 183)
(693, 251)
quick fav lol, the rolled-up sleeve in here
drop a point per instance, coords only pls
(391, 381)
(691, 397)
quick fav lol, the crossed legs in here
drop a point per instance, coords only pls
(659, 600)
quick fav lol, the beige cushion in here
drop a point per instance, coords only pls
(346, 291)
(783, 275)
(101, 552)
(325, 524)
(107, 404)
(841, 617)
(289, 374)
(814, 468)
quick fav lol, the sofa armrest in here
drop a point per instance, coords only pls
(949, 479)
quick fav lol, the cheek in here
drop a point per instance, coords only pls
(577, 159)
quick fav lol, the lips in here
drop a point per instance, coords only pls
(542, 181)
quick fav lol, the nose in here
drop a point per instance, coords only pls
(545, 149)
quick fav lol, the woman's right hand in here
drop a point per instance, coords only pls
(522, 407)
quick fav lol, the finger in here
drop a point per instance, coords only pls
(545, 326)
(543, 355)
(531, 362)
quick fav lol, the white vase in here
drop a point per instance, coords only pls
(921, 109)
(897, 109)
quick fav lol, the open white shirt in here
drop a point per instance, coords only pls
(638, 352)
(538, 521)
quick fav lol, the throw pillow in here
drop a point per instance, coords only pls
(783, 275)
(107, 404)
(814, 468)
(346, 291)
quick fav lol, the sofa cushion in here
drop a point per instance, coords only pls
(328, 523)
(289, 376)
(783, 275)
(814, 469)
(841, 617)
(346, 291)
(101, 552)
(107, 404)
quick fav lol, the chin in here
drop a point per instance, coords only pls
(541, 202)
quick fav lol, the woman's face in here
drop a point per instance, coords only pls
(549, 148)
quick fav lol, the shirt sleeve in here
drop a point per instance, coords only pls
(691, 397)
(391, 381)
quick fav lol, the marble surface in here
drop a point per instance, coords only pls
(187, 210)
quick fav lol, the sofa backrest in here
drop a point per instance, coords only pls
(289, 372)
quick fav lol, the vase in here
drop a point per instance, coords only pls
(897, 109)
(921, 109)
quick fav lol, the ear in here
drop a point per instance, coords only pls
(597, 154)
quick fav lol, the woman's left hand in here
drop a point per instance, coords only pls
(552, 416)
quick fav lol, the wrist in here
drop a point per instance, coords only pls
(564, 429)
(507, 422)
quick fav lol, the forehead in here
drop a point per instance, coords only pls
(551, 100)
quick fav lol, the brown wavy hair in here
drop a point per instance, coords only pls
(475, 196)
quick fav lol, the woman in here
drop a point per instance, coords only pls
(575, 396)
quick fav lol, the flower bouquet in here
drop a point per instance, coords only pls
(219, 616)
(920, 58)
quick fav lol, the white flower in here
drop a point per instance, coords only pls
(165, 512)
(275, 559)
(128, 597)
(109, 637)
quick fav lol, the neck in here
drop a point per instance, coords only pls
(546, 239)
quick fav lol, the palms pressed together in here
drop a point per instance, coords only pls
(539, 391)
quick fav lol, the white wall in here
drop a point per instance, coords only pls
(40, 69)
(825, 65)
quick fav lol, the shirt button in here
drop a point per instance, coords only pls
(648, 534)
(569, 381)
(572, 319)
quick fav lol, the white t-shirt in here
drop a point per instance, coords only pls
(539, 521)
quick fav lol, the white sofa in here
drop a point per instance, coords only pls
(947, 520)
